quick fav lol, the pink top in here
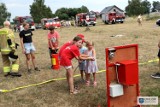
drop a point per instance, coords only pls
(53, 37)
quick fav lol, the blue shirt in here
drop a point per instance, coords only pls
(83, 50)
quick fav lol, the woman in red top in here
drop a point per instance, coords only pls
(67, 55)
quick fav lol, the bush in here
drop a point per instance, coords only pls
(153, 16)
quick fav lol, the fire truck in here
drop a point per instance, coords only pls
(18, 20)
(113, 17)
(85, 19)
(47, 22)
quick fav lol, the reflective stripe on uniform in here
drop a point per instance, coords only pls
(3, 32)
(5, 51)
(15, 67)
(6, 69)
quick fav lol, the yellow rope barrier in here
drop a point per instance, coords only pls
(59, 79)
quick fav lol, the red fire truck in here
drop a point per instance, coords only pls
(113, 18)
(47, 22)
(85, 19)
(18, 20)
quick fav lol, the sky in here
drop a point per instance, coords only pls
(21, 7)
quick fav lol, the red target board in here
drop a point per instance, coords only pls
(122, 76)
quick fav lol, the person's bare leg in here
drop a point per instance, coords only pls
(33, 59)
(94, 77)
(70, 80)
(159, 65)
(82, 74)
(28, 58)
(85, 76)
(67, 78)
(87, 79)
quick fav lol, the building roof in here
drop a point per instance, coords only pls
(107, 9)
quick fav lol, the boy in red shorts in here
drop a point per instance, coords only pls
(67, 55)
(157, 75)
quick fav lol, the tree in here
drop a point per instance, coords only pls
(4, 14)
(84, 9)
(64, 16)
(39, 10)
(69, 13)
(146, 6)
(156, 6)
(136, 7)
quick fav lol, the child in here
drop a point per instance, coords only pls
(157, 75)
(91, 66)
(82, 50)
(53, 40)
(70, 43)
(28, 47)
(66, 56)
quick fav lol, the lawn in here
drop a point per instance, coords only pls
(55, 94)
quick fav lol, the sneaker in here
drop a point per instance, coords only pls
(76, 87)
(156, 75)
(29, 71)
(36, 69)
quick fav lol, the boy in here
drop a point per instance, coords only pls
(53, 40)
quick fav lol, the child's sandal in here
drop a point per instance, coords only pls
(94, 83)
(74, 92)
(87, 83)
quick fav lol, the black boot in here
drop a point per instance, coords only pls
(15, 74)
(8, 74)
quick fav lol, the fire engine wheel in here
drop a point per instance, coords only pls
(94, 24)
(122, 22)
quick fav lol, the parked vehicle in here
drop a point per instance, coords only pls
(113, 18)
(112, 14)
(38, 26)
(158, 22)
(18, 20)
(85, 19)
(47, 22)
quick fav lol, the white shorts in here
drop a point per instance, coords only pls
(29, 47)
(67, 67)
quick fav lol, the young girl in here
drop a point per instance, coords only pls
(67, 55)
(28, 47)
(91, 66)
(82, 50)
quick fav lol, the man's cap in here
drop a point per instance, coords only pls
(81, 36)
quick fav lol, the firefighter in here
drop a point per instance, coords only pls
(8, 49)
